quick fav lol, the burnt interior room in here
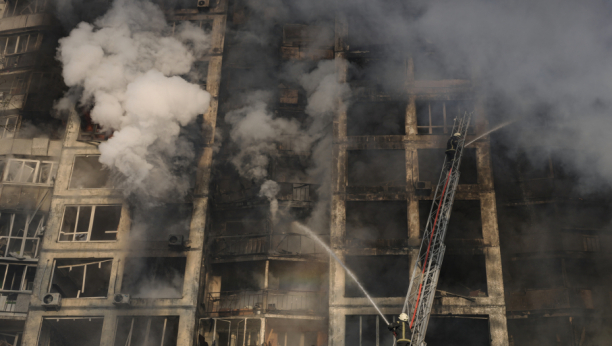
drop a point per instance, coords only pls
(90, 223)
(541, 331)
(71, 331)
(464, 274)
(431, 162)
(368, 330)
(240, 276)
(81, 278)
(297, 276)
(146, 330)
(376, 220)
(376, 117)
(154, 277)
(89, 173)
(430, 63)
(387, 282)
(376, 167)
(463, 330)
(157, 223)
(465, 221)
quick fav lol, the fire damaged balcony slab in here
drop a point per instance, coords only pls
(244, 303)
(277, 245)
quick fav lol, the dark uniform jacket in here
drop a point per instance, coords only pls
(402, 332)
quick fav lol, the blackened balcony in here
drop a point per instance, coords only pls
(283, 244)
(240, 303)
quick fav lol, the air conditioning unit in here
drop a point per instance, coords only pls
(121, 299)
(52, 301)
(176, 241)
(423, 188)
(203, 3)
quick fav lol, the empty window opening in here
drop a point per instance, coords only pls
(71, 331)
(20, 43)
(159, 222)
(81, 278)
(542, 331)
(368, 330)
(376, 118)
(464, 275)
(90, 131)
(461, 330)
(231, 332)
(19, 234)
(90, 223)
(89, 173)
(374, 221)
(297, 276)
(465, 221)
(154, 277)
(431, 161)
(8, 125)
(11, 337)
(437, 117)
(386, 281)
(14, 278)
(147, 330)
(543, 273)
(30, 171)
(376, 168)
(234, 286)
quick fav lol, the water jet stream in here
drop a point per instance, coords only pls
(350, 273)
(491, 130)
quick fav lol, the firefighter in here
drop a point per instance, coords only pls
(452, 146)
(401, 330)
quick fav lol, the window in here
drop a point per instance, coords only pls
(376, 221)
(8, 126)
(90, 223)
(590, 243)
(368, 330)
(154, 277)
(19, 44)
(24, 7)
(376, 167)
(159, 222)
(430, 165)
(29, 171)
(367, 118)
(89, 173)
(437, 117)
(71, 331)
(144, 330)
(388, 283)
(14, 278)
(18, 235)
(11, 337)
(81, 278)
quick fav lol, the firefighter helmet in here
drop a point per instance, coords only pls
(403, 317)
(457, 134)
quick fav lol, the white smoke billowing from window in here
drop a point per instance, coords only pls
(128, 67)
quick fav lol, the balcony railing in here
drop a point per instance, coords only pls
(288, 244)
(8, 301)
(233, 303)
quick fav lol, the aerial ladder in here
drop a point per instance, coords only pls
(424, 279)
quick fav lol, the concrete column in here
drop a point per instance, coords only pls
(499, 328)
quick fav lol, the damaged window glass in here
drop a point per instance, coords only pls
(19, 234)
(89, 173)
(154, 277)
(71, 331)
(81, 278)
(90, 223)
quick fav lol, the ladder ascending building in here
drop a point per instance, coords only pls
(427, 267)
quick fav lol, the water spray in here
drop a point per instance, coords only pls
(350, 273)
(491, 130)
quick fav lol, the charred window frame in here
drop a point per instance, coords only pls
(13, 339)
(29, 171)
(437, 117)
(24, 7)
(19, 235)
(18, 44)
(15, 279)
(89, 222)
(9, 126)
(72, 330)
(81, 278)
(141, 330)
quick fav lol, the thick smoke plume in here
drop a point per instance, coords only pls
(128, 67)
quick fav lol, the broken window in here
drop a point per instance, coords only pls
(81, 278)
(240, 276)
(368, 330)
(10, 337)
(464, 275)
(8, 125)
(14, 278)
(89, 173)
(147, 330)
(154, 277)
(19, 234)
(437, 117)
(30, 171)
(90, 223)
(386, 268)
(376, 221)
(20, 43)
(431, 160)
(543, 273)
(465, 222)
(297, 276)
(367, 118)
(71, 331)
(90, 131)
(541, 331)
(159, 222)
(376, 168)
(226, 332)
(458, 330)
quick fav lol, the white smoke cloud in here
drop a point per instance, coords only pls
(129, 70)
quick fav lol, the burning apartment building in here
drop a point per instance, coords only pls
(158, 159)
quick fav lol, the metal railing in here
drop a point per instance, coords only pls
(266, 301)
(274, 244)
(8, 301)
